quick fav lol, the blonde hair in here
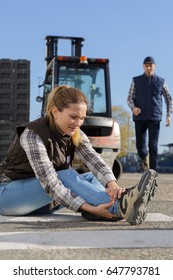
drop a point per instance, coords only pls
(61, 97)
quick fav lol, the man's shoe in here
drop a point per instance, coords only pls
(92, 217)
(132, 204)
(143, 165)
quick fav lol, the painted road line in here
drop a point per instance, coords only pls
(87, 239)
(151, 217)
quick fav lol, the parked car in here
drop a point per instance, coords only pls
(165, 163)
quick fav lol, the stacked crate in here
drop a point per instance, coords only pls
(14, 99)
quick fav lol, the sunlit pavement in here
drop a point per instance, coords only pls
(66, 235)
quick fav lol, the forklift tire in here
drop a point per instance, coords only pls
(117, 169)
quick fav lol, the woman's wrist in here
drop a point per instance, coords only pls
(112, 185)
(87, 207)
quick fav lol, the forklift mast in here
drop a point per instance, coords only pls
(52, 46)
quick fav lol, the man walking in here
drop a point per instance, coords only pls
(145, 101)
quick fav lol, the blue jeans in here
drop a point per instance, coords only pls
(24, 196)
(142, 145)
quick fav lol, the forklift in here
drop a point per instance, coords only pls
(91, 76)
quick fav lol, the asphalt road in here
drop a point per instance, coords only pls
(67, 236)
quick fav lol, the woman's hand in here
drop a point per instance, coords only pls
(100, 210)
(114, 191)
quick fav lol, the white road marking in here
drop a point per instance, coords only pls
(87, 239)
(151, 217)
(133, 238)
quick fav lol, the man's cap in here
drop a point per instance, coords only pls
(149, 59)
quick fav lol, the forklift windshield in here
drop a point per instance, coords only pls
(90, 80)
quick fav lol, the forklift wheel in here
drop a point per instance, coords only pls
(117, 169)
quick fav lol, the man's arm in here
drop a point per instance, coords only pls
(130, 100)
(168, 99)
(168, 102)
(131, 96)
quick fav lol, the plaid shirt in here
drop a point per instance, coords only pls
(165, 93)
(46, 174)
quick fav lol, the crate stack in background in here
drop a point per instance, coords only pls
(14, 99)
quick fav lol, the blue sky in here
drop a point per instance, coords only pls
(125, 31)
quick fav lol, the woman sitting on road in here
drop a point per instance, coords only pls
(37, 170)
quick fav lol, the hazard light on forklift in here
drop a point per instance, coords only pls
(100, 60)
(83, 60)
(64, 58)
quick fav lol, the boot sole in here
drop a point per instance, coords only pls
(147, 186)
(92, 217)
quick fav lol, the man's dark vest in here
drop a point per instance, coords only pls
(59, 148)
(148, 97)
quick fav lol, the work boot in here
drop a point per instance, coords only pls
(143, 165)
(132, 204)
